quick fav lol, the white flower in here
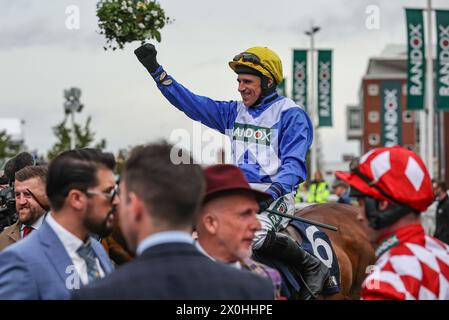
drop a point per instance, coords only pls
(141, 25)
(120, 20)
(130, 10)
(147, 18)
(154, 12)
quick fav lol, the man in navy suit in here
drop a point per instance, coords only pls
(159, 201)
(61, 255)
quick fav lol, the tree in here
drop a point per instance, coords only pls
(8, 147)
(84, 137)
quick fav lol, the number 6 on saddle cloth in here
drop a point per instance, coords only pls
(317, 243)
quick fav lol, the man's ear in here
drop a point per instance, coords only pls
(270, 82)
(210, 222)
(76, 199)
(136, 207)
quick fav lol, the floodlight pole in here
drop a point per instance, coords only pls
(311, 107)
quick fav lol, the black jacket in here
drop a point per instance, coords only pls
(177, 271)
(442, 220)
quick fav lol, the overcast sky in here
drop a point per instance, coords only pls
(39, 57)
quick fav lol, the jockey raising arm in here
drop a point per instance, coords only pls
(270, 137)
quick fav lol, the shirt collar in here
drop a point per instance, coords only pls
(401, 235)
(36, 225)
(236, 264)
(164, 237)
(68, 239)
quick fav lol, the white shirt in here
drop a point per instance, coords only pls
(71, 243)
(36, 225)
(163, 237)
(236, 264)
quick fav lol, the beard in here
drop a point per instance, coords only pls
(30, 217)
(101, 228)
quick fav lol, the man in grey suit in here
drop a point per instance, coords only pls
(61, 255)
(158, 203)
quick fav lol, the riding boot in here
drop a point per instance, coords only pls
(313, 272)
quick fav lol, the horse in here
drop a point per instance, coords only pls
(351, 245)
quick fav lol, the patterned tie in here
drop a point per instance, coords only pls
(86, 252)
(27, 230)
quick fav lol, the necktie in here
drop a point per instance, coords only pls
(86, 252)
(27, 230)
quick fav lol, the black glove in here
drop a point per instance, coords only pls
(147, 56)
(264, 204)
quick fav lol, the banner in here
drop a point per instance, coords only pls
(299, 91)
(416, 62)
(281, 90)
(442, 67)
(324, 88)
(391, 119)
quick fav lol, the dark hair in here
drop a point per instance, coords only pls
(441, 184)
(172, 192)
(32, 172)
(340, 183)
(75, 169)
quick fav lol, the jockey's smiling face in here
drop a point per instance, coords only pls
(227, 226)
(249, 88)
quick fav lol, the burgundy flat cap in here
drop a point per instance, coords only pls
(225, 177)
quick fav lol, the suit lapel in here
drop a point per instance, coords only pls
(55, 251)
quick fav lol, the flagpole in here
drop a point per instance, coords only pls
(430, 93)
(312, 107)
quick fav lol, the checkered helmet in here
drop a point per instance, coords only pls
(394, 174)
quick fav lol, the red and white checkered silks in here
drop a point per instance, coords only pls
(415, 267)
(399, 172)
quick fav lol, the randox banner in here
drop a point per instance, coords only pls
(416, 66)
(281, 90)
(324, 88)
(391, 119)
(442, 70)
(299, 92)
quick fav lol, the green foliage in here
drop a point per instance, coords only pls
(8, 148)
(124, 21)
(84, 137)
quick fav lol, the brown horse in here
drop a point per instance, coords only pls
(350, 243)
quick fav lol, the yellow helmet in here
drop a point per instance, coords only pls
(262, 59)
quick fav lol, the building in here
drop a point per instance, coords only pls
(381, 118)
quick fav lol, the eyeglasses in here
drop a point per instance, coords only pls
(251, 57)
(111, 194)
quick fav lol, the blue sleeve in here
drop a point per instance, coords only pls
(16, 282)
(295, 139)
(218, 115)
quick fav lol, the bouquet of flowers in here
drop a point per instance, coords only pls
(123, 21)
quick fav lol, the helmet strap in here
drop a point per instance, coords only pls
(379, 219)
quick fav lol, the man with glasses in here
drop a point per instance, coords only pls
(159, 200)
(270, 136)
(31, 204)
(393, 186)
(62, 255)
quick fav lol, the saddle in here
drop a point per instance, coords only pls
(315, 242)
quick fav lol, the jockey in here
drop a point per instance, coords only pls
(393, 186)
(270, 136)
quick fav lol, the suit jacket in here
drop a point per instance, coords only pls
(38, 267)
(177, 271)
(10, 235)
